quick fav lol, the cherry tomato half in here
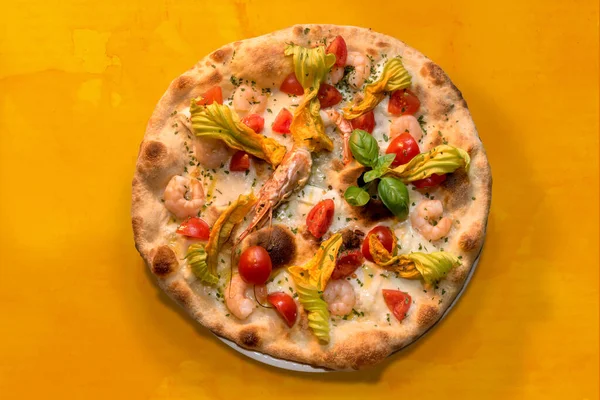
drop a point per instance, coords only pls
(194, 227)
(398, 302)
(339, 48)
(291, 85)
(366, 122)
(283, 121)
(385, 236)
(319, 218)
(240, 161)
(214, 94)
(255, 265)
(405, 147)
(403, 102)
(254, 122)
(328, 95)
(285, 306)
(429, 182)
(346, 263)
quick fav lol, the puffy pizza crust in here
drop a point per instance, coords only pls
(467, 196)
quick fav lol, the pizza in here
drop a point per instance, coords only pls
(318, 194)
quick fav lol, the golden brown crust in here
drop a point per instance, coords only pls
(466, 197)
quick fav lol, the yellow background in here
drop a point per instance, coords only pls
(81, 317)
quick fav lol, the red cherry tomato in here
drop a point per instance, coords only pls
(398, 302)
(194, 227)
(282, 122)
(328, 95)
(240, 161)
(403, 102)
(366, 122)
(319, 218)
(429, 182)
(385, 236)
(285, 306)
(339, 48)
(291, 85)
(254, 122)
(214, 94)
(405, 147)
(255, 265)
(347, 262)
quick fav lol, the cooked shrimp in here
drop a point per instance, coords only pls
(236, 297)
(211, 153)
(362, 68)
(428, 220)
(291, 175)
(345, 128)
(247, 99)
(336, 74)
(406, 123)
(339, 296)
(184, 196)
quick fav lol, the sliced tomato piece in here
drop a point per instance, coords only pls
(339, 48)
(194, 227)
(431, 181)
(385, 236)
(366, 122)
(405, 147)
(285, 305)
(254, 122)
(240, 161)
(320, 217)
(282, 122)
(328, 95)
(346, 263)
(291, 85)
(214, 94)
(255, 265)
(403, 102)
(398, 302)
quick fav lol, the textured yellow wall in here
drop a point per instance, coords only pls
(81, 317)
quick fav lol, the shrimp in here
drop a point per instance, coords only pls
(406, 123)
(362, 68)
(236, 297)
(211, 153)
(184, 196)
(247, 99)
(291, 175)
(336, 74)
(339, 296)
(345, 128)
(428, 220)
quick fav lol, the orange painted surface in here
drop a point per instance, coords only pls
(81, 317)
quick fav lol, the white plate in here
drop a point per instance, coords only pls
(294, 366)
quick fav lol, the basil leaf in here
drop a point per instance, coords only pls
(364, 147)
(380, 168)
(394, 195)
(356, 196)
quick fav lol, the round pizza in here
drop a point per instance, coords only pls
(318, 194)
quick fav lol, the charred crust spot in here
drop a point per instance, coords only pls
(215, 78)
(458, 275)
(184, 82)
(154, 151)
(164, 262)
(277, 240)
(137, 223)
(337, 165)
(221, 55)
(426, 315)
(434, 72)
(372, 52)
(350, 174)
(382, 44)
(249, 337)
(468, 240)
(352, 239)
(298, 30)
(374, 211)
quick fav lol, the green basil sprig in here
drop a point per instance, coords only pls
(394, 194)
